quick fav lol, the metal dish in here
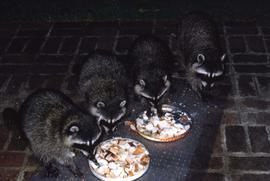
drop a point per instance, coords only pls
(138, 175)
(178, 117)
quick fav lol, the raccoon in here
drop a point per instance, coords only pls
(56, 128)
(103, 82)
(199, 43)
(152, 66)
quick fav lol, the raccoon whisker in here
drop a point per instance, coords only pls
(96, 138)
(218, 73)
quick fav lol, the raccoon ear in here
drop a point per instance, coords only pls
(123, 103)
(100, 104)
(142, 83)
(165, 77)
(74, 129)
(200, 58)
(223, 57)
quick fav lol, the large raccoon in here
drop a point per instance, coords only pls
(55, 128)
(103, 81)
(199, 43)
(152, 66)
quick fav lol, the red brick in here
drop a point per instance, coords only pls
(18, 142)
(123, 44)
(247, 86)
(249, 163)
(195, 176)
(19, 69)
(242, 30)
(15, 83)
(18, 59)
(250, 103)
(54, 81)
(33, 32)
(54, 59)
(11, 159)
(236, 139)
(230, 118)
(69, 45)
(105, 43)
(36, 81)
(215, 163)
(255, 43)
(52, 45)
(87, 45)
(135, 28)
(3, 43)
(17, 45)
(237, 44)
(49, 69)
(252, 68)
(8, 175)
(33, 45)
(259, 139)
(3, 136)
(251, 177)
(166, 27)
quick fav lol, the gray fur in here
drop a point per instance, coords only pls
(47, 116)
(152, 60)
(199, 40)
(103, 79)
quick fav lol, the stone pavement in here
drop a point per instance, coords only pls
(50, 55)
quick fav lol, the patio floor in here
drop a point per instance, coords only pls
(50, 55)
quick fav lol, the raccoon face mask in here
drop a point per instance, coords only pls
(152, 90)
(84, 131)
(208, 70)
(110, 114)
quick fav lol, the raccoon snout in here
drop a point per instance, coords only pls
(207, 85)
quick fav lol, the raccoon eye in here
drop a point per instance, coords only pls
(100, 104)
(200, 58)
(223, 57)
(74, 129)
(142, 83)
(123, 103)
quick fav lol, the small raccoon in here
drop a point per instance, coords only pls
(55, 127)
(103, 81)
(152, 66)
(200, 46)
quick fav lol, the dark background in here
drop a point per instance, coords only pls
(89, 10)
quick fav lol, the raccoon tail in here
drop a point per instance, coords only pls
(11, 118)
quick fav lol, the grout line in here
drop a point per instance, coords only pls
(116, 42)
(61, 44)
(71, 65)
(247, 138)
(12, 39)
(8, 141)
(25, 46)
(22, 171)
